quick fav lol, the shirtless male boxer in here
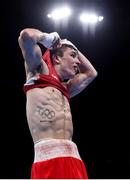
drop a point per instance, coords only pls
(52, 78)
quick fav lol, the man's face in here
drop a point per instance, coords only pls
(69, 63)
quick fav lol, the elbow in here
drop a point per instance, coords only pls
(24, 35)
(92, 74)
(95, 74)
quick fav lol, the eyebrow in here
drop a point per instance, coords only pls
(74, 52)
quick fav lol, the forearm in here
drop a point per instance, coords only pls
(28, 42)
(36, 36)
(85, 66)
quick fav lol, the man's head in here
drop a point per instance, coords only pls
(65, 60)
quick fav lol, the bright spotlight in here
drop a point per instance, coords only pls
(100, 18)
(49, 15)
(59, 14)
(90, 18)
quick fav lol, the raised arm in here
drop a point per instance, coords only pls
(86, 75)
(28, 42)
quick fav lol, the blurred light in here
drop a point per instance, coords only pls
(59, 14)
(90, 18)
(100, 18)
(49, 15)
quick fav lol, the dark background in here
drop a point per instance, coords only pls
(100, 112)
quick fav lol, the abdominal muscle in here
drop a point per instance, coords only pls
(48, 114)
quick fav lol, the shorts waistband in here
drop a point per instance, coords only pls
(52, 148)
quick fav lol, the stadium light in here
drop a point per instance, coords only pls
(59, 14)
(90, 18)
(100, 18)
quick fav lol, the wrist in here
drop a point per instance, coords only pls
(48, 39)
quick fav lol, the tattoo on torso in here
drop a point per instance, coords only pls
(46, 114)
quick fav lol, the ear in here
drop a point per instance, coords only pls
(56, 59)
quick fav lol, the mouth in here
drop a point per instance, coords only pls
(76, 69)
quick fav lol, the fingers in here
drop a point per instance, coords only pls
(57, 43)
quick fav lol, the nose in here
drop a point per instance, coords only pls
(77, 61)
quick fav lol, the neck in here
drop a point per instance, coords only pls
(58, 70)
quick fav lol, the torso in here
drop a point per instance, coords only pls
(48, 114)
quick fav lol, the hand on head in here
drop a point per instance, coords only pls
(51, 40)
(56, 43)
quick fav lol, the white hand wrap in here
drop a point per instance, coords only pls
(50, 39)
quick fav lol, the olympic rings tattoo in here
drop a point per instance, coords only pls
(46, 113)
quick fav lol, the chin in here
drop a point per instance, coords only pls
(71, 76)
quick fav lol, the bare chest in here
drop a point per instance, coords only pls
(47, 105)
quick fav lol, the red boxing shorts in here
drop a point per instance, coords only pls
(57, 159)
